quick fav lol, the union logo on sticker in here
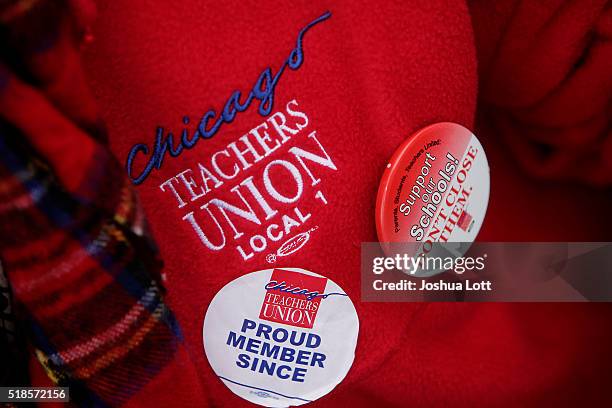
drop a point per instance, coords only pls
(281, 337)
(292, 298)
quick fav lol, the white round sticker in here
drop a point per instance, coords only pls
(281, 337)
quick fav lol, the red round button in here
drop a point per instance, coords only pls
(435, 188)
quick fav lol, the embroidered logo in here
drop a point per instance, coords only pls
(211, 121)
(249, 194)
(293, 244)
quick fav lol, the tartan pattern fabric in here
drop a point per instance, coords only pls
(84, 273)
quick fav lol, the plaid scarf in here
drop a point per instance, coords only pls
(84, 274)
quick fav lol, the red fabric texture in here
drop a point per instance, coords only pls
(372, 74)
(545, 80)
(83, 272)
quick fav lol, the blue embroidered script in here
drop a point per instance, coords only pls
(263, 91)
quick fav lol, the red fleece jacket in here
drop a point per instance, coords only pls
(371, 75)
